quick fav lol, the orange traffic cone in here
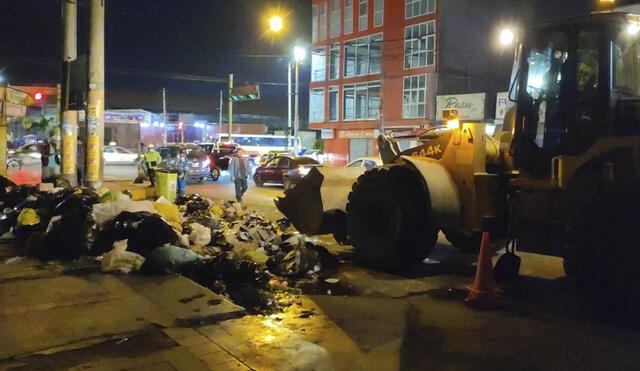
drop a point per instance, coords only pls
(483, 293)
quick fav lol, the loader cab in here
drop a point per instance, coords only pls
(578, 80)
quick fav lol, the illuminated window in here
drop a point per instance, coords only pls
(348, 16)
(363, 56)
(316, 105)
(414, 97)
(334, 27)
(362, 101)
(378, 12)
(419, 45)
(334, 105)
(334, 62)
(318, 64)
(363, 15)
(314, 23)
(416, 8)
(323, 21)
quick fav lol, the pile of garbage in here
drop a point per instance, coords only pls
(218, 244)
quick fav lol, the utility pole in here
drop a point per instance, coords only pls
(68, 119)
(288, 105)
(230, 108)
(296, 125)
(95, 114)
(3, 130)
(220, 107)
(164, 116)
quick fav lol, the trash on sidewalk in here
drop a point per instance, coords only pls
(121, 260)
(14, 260)
(200, 235)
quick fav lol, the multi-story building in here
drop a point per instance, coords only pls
(373, 70)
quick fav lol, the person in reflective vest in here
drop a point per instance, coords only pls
(152, 160)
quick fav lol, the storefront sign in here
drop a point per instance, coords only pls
(14, 110)
(326, 133)
(471, 106)
(403, 132)
(123, 118)
(355, 134)
(502, 105)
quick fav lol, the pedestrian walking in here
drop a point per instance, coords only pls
(183, 173)
(80, 158)
(152, 160)
(50, 158)
(239, 171)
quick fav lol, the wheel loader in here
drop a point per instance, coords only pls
(562, 175)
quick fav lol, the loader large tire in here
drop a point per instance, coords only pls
(602, 246)
(389, 219)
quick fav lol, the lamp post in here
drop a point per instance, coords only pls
(298, 55)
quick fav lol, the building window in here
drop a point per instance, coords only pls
(318, 64)
(348, 16)
(419, 45)
(323, 21)
(416, 8)
(334, 62)
(334, 27)
(414, 97)
(333, 103)
(363, 56)
(378, 12)
(362, 101)
(314, 23)
(363, 15)
(316, 105)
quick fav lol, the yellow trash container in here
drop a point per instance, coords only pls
(166, 184)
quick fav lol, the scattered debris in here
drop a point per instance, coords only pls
(219, 244)
(14, 260)
(191, 298)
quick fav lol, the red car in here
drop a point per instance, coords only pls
(284, 170)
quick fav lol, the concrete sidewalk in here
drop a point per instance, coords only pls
(74, 317)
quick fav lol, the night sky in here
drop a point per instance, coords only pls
(194, 37)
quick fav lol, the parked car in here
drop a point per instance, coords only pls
(198, 160)
(219, 156)
(116, 155)
(366, 162)
(27, 154)
(285, 170)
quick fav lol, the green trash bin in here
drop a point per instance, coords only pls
(166, 184)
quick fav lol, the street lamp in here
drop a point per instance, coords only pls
(506, 37)
(276, 23)
(299, 55)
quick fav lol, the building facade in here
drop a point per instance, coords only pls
(373, 67)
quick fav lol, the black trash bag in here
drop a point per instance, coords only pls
(67, 239)
(168, 259)
(327, 259)
(222, 268)
(193, 202)
(78, 199)
(203, 218)
(508, 266)
(16, 195)
(23, 232)
(298, 262)
(145, 232)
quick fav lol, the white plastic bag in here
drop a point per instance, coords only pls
(103, 213)
(121, 260)
(200, 235)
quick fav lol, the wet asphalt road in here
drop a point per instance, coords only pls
(418, 320)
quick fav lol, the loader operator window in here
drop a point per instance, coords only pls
(547, 62)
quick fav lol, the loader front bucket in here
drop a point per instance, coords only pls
(313, 204)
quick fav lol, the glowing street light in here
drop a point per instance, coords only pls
(299, 54)
(506, 37)
(276, 24)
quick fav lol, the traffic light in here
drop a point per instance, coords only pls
(244, 93)
(38, 96)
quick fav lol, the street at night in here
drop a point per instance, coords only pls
(317, 185)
